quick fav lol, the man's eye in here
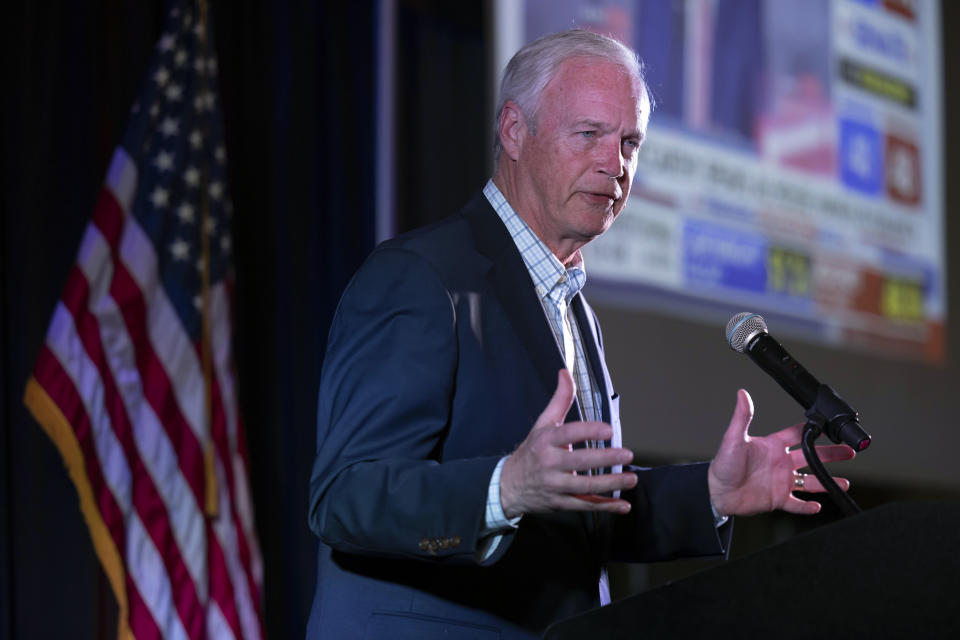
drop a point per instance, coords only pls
(588, 134)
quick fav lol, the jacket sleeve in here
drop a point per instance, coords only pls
(378, 486)
(670, 517)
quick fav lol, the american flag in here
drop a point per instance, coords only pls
(135, 383)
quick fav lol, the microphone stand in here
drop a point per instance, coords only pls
(826, 404)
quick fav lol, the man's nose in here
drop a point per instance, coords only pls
(611, 159)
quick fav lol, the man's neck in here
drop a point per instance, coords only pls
(567, 250)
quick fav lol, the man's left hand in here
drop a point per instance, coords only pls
(756, 474)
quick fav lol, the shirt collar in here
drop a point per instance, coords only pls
(546, 270)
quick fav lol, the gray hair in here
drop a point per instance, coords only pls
(534, 66)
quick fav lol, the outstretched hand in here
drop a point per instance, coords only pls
(755, 474)
(540, 475)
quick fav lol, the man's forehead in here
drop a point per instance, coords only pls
(582, 80)
(583, 71)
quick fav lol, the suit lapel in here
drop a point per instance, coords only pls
(510, 282)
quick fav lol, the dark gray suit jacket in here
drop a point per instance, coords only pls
(439, 361)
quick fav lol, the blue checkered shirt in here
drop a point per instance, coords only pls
(556, 286)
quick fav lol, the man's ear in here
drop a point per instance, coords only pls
(512, 129)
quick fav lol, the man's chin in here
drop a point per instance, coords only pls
(598, 224)
(589, 235)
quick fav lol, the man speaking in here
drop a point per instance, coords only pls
(469, 480)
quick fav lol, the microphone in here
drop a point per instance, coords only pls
(747, 333)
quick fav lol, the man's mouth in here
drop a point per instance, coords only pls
(600, 196)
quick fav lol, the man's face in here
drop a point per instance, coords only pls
(578, 162)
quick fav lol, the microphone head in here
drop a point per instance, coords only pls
(742, 328)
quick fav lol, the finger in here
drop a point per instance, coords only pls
(614, 505)
(569, 484)
(589, 502)
(589, 497)
(826, 453)
(801, 507)
(589, 458)
(812, 484)
(742, 415)
(835, 452)
(579, 432)
(556, 410)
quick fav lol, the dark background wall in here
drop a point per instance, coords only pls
(297, 85)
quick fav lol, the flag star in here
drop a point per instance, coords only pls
(167, 41)
(212, 65)
(169, 127)
(220, 153)
(191, 176)
(154, 110)
(159, 197)
(163, 161)
(209, 224)
(225, 244)
(198, 302)
(201, 265)
(200, 66)
(180, 57)
(196, 139)
(186, 213)
(174, 92)
(161, 76)
(198, 30)
(204, 100)
(179, 249)
(215, 190)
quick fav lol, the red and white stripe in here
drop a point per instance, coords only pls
(118, 360)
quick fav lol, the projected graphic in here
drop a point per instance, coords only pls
(793, 163)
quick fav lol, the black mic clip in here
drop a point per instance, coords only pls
(829, 414)
(837, 419)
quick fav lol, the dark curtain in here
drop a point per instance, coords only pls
(444, 133)
(298, 81)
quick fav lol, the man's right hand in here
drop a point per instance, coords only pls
(541, 474)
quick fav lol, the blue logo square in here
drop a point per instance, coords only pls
(861, 157)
